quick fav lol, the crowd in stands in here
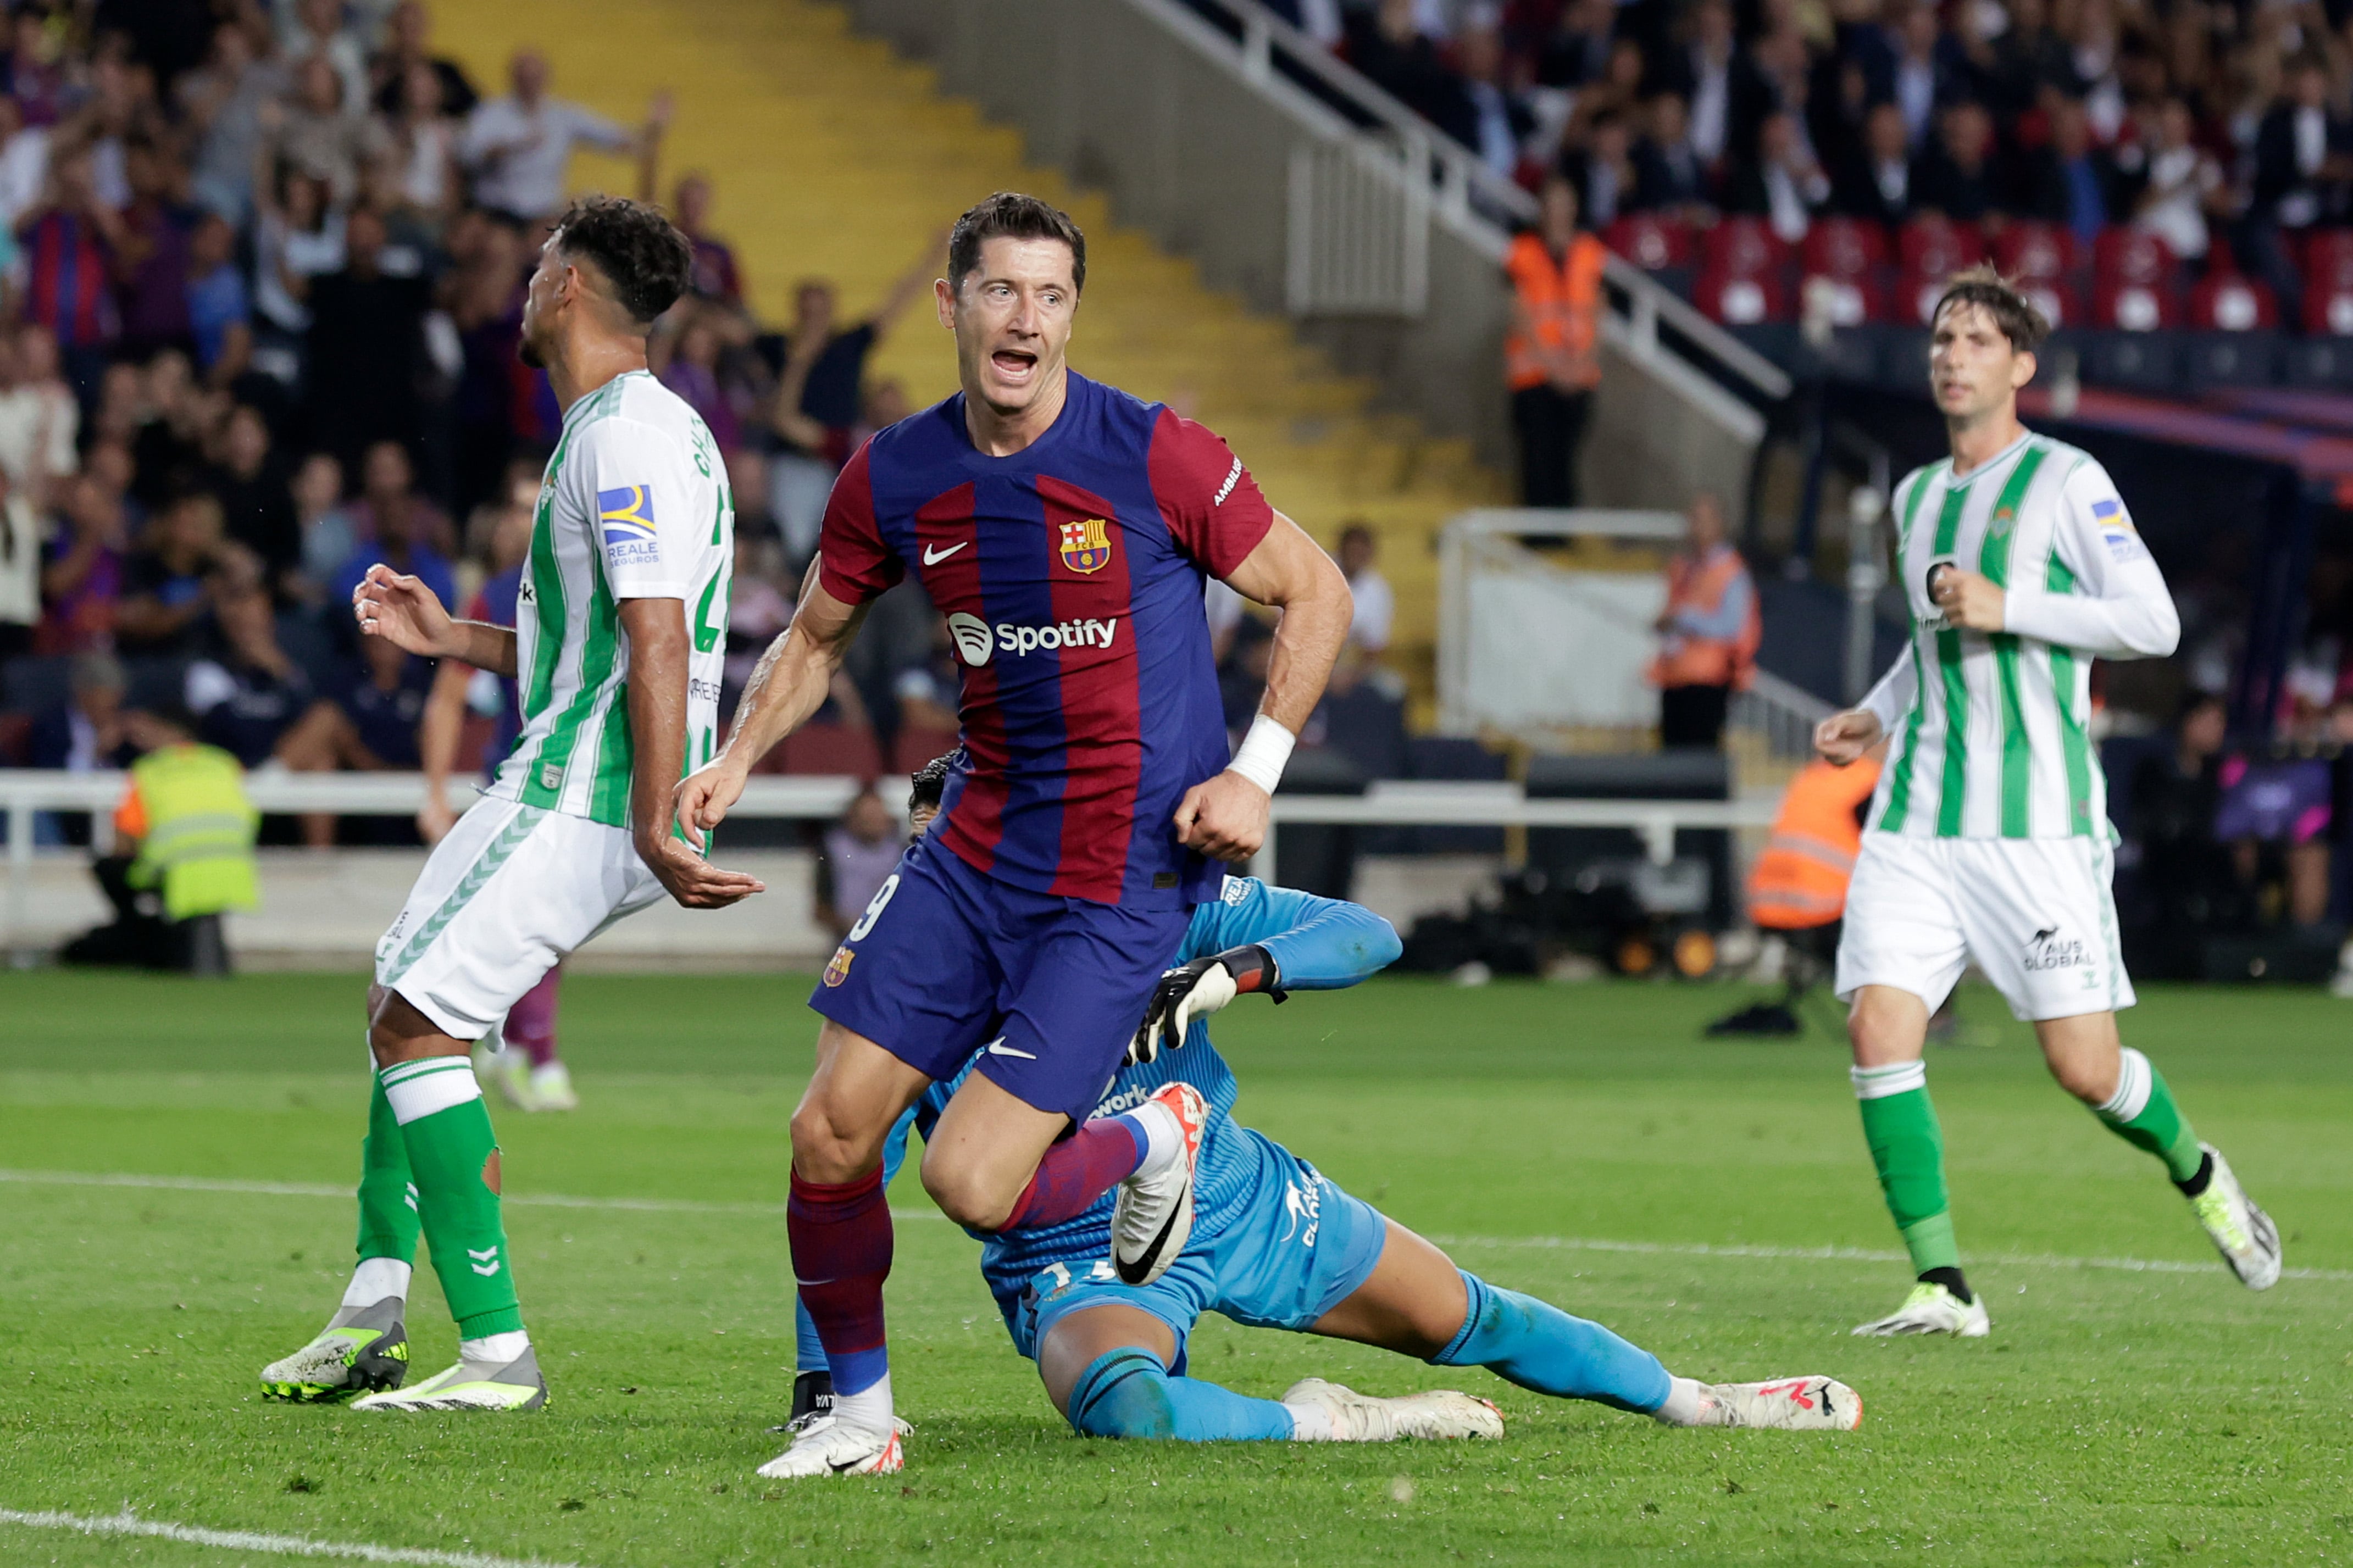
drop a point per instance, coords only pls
(2145, 163)
(261, 274)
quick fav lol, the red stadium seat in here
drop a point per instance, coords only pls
(1650, 241)
(2228, 303)
(2135, 286)
(1745, 248)
(1929, 251)
(2061, 302)
(1741, 300)
(2327, 258)
(1937, 247)
(2123, 256)
(2134, 307)
(1841, 264)
(2036, 250)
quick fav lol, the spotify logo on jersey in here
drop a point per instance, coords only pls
(976, 640)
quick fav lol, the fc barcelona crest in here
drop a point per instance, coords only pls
(837, 971)
(1086, 545)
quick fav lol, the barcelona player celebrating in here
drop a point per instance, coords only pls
(1066, 531)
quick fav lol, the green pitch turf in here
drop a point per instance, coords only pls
(1705, 1199)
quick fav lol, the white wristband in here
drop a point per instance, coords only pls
(1264, 752)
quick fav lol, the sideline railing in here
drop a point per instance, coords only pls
(815, 797)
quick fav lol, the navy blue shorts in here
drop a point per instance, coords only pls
(946, 960)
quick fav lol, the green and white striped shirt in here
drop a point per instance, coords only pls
(635, 505)
(1991, 731)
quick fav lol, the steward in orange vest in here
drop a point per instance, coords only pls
(1556, 314)
(1551, 352)
(1799, 882)
(1799, 885)
(1707, 634)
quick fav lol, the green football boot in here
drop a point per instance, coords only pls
(362, 1349)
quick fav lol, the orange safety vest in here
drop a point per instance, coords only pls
(1561, 303)
(1699, 587)
(1799, 881)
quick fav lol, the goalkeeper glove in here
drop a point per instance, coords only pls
(1197, 990)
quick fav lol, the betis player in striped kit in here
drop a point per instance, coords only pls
(1989, 836)
(617, 649)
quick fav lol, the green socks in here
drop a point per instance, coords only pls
(1900, 1125)
(453, 1159)
(2142, 1113)
(388, 1220)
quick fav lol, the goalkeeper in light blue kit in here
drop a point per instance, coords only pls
(1273, 1244)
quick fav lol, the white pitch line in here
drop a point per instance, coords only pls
(1553, 1243)
(1865, 1255)
(127, 1523)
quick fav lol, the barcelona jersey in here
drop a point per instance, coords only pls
(1070, 574)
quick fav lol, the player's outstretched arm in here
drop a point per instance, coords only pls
(1225, 817)
(412, 617)
(1274, 940)
(658, 680)
(789, 685)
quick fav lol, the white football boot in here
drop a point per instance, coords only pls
(1152, 1217)
(550, 1088)
(469, 1385)
(822, 1445)
(1933, 1309)
(1327, 1413)
(2243, 1234)
(1787, 1404)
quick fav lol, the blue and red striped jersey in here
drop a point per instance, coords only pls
(1071, 575)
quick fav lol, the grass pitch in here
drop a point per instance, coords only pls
(1711, 1200)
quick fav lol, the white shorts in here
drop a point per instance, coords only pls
(2035, 913)
(511, 890)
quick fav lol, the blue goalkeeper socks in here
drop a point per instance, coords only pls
(808, 1351)
(1537, 1346)
(1128, 1394)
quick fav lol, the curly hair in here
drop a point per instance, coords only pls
(640, 252)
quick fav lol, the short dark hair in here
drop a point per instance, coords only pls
(640, 252)
(1008, 215)
(2013, 313)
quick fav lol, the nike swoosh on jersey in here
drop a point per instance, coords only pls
(931, 559)
(997, 1047)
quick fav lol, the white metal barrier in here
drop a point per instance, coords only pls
(1418, 803)
(1401, 803)
(24, 791)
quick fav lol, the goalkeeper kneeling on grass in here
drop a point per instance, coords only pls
(1273, 1244)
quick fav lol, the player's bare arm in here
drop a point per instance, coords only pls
(387, 603)
(657, 664)
(788, 685)
(1225, 817)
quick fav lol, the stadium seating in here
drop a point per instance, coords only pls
(1842, 259)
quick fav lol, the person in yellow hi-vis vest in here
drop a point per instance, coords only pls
(183, 854)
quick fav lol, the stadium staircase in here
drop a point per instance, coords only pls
(832, 157)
